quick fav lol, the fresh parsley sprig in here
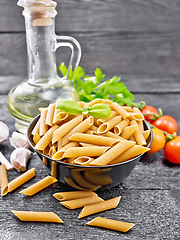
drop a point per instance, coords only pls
(99, 110)
(93, 87)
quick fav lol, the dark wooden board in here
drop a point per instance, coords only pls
(149, 197)
(96, 15)
(146, 55)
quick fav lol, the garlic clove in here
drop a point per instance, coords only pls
(19, 158)
(4, 132)
(18, 140)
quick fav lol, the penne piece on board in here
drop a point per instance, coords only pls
(3, 180)
(111, 224)
(64, 196)
(29, 216)
(81, 202)
(40, 185)
(21, 179)
(99, 207)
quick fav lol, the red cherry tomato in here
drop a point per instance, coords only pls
(172, 150)
(158, 142)
(166, 123)
(148, 110)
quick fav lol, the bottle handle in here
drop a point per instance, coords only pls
(73, 44)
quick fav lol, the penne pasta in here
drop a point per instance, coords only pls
(54, 169)
(130, 153)
(95, 101)
(59, 154)
(99, 207)
(37, 187)
(21, 179)
(37, 216)
(103, 128)
(138, 135)
(128, 131)
(103, 120)
(120, 126)
(4, 161)
(120, 110)
(50, 114)
(83, 161)
(84, 151)
(111, 224)
(36, 138)
(46, 139)
(36, 127)
(146, 134)
(111, 154)
(43, 127)
(3, 180)
(92, 139)
(64, 196)
(66, 127)
(82, 127)
(81, 202)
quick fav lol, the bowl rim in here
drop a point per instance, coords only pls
(80, 166)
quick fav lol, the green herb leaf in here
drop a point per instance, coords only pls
(93, 87)
(100, 110)
(70, 107)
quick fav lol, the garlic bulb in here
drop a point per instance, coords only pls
(19, 158)
(4, 132)
(18, 140)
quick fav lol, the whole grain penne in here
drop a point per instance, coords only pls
(103, 128)
(4, 161)
(46, 139)
(95, 101)
(84, 151)
(146, 134)
(99, 207)
(120, 110)
(3, 180)
(138, 135)
(130, 153)
(36, 138)
(140, 123)
(61, 116)
(64, 196)
(127, 108)
(37, 216)
(128, 131)
(36, 127)
(107, 101)
(120, 126)
(112, 153)
(81, 202)
(37, 187)
(82, 127)
(81, 104)
(83, 160)
(50, 114)
(92, 139)
(66, 127)
(43, 127)
(111, 224)
(59, 154)
(103, 120)
(21, 179)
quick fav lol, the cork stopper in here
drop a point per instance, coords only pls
(39, 9)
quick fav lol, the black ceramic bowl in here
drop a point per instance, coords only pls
(88, 177)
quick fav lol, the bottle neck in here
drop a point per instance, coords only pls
(40, 46)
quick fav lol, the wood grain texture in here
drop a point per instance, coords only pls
(148, 55)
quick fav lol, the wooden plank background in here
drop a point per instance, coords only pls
(134, 38)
